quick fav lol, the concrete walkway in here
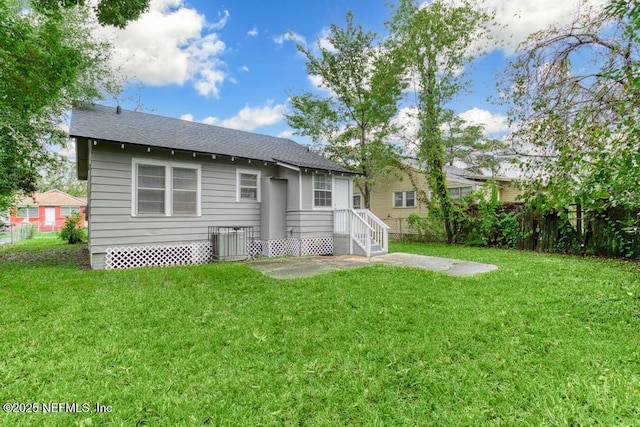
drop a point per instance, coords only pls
(292, 267)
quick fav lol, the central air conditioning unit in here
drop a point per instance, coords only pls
(230, 243)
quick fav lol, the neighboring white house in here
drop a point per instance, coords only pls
(161, 190)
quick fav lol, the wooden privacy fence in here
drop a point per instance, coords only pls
(614, 232)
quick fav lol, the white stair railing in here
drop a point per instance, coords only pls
(380, 229)
(364, 228)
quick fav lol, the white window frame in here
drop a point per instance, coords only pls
(404, 199)
(71, 208)
(28, 210)
(458, 189)
(314, 189)
(168, 186)
(258, 174)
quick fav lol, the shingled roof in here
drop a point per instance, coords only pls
(52, 197)
(150, 130)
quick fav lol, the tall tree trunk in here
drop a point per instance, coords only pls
(446, 204)
(367, 196)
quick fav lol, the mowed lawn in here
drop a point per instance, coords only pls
(545, 340)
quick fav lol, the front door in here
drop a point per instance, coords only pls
(341, 194)
(50, 216)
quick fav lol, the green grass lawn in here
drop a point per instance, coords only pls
(546, 339)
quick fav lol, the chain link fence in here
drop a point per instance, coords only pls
(12, 233)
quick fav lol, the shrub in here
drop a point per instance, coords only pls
(428, 228)
(481, 220)
(73, 231)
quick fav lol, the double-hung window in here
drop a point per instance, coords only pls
(165, 188)
(322, 190)
(404, 199)
(185, 191)
(66, 211)
(458, 193)
(27, 212)
(247, 185)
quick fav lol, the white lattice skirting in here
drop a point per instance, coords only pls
(297, 247)
(143, 256)
(201, 252)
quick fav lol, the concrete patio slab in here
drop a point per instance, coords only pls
(293, 267)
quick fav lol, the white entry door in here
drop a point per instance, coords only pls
(50, 216)
(341, 194)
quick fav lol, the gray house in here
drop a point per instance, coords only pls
(163, 191)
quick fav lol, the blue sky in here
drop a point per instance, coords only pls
(235, 64)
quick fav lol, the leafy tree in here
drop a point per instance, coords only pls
(435, 41)
(63, 177)
(109, 12)
(353, 121)
(466, 143)
(576, 96)
(48, 62)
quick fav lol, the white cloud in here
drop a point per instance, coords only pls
(290, 37)
(323, 40)
(253, 32)
(286, 134)
(207, 70)
(493, 123)
(171, 44)
(222, 21)
(519, 18)
(317, 82)
(407, 120)
(250, 118)
(244, 68)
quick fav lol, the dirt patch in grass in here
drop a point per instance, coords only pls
(76, 255)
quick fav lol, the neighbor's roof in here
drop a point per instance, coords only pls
(150, 130)
(52, 198)
(463, 173)
(459, 174)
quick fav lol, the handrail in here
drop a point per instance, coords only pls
(381, 230)
(362, 227)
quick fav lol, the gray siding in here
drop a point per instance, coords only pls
(307, 191)
(307, 224)
(293, 187)
(111, 222)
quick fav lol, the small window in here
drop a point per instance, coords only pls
(357, 201)
(322, 190)
(248, 185)
(27, 212)
(404, 199)
(67, 211)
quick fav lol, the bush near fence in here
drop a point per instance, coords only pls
(613, 232)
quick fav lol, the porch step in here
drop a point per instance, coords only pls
(376, 250)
